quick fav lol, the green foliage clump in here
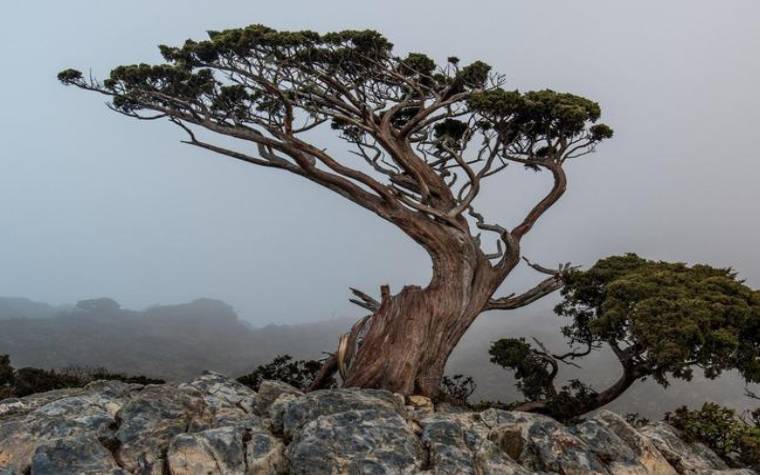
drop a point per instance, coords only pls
(535, 114)
(187, 79)
(297, 373)
(676, 317)
(734, 438)
(449, 133)
(417, 64)
(475, 75)
(69, 76)
(259, 73)
(532, 370)
(571, 401)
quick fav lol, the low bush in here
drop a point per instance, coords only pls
(35, 380)
(734, 437)
(636, 420)
(88, 374)
(297, 373)
(26, 381)
(457, 389)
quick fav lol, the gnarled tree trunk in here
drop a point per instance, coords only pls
(405, 344)
(630, 374)
(416, 330)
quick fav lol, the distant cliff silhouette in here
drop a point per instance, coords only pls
(173, 342)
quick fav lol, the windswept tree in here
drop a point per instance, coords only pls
(424, 139)
(660, 320)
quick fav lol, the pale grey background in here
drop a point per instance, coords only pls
(93, 204)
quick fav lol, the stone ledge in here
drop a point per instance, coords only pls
(215, 425)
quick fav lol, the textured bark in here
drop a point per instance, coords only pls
(416, 330)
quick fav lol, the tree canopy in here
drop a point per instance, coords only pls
(271, 87)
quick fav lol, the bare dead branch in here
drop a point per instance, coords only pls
(364, 300)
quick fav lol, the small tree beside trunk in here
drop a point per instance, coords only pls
(660, 320)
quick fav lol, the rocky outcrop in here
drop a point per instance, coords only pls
(214, 425)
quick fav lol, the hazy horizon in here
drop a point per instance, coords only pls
(96, 205)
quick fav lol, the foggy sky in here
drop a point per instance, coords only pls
(94, 204)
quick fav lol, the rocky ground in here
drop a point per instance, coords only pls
(214, 425)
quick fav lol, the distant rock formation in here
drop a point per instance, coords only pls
(214, 425)
(171, 342)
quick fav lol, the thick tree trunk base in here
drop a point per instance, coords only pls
(404, 346)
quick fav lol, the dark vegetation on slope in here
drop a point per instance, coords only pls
(26, 381)
(735, 437)
(297, 373)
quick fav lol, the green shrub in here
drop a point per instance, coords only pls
(297, 373)
(734, 438)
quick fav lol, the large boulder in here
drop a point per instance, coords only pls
(243, 449)
(270, 391)
(11, 406)
(460, 444)
(113, 427)
(618, 456)
(541, 444)
(75, 455)
(347, 431)
(37, 424)
(356, 441)
(290, 414)
(264, 454)
(149, 422)
(684, 457)
(221, 395)
(643, 448)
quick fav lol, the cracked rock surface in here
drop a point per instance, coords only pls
(214, 425)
